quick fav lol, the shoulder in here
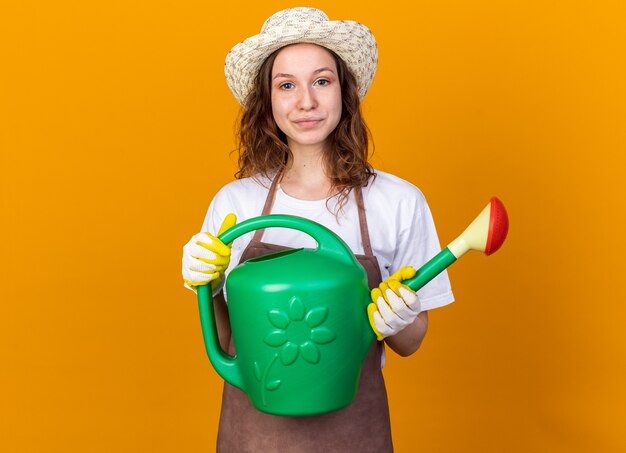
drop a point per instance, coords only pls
(244, 197)
(244, 187)
(389, 189)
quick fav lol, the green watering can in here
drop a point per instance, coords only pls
(299, 319)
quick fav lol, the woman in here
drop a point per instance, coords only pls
(303, 151)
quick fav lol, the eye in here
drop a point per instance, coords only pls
(322, 82)
(286, 86)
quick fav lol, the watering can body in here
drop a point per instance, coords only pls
(299, 323)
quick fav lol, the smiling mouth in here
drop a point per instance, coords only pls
(308, 123)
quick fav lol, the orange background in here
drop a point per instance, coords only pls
(115, 130)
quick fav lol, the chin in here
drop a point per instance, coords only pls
(311, 140)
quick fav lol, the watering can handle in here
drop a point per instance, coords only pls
(224, 364)
(328, 243)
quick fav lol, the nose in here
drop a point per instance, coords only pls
(307, 100)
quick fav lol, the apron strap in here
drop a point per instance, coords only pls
(365, 235)
(267, 208)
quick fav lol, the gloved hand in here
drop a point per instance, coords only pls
(206, 258)
(394, 305)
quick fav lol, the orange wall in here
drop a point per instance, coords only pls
(115, 128)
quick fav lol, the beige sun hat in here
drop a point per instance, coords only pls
(353, 42)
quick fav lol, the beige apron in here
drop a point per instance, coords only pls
(361, 427)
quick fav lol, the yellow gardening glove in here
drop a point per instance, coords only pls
(394, 305)
(206, 258)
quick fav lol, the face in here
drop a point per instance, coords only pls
(306, 94)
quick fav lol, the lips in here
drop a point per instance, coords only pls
(308, 122)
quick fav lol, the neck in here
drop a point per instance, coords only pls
(305, 176)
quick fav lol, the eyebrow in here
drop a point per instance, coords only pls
(317, 71)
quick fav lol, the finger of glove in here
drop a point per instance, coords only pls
(199, 250)
(216, 285)
(371, 310)
(200, 278)
(383, 329)
(403, 273)
(394, 282)
(218, 261)
(407, 294)
(214, 245)
(192, 260)
(379, 292)
(398, 306)
(395, 286)
(375, 294)
(391, 319)
(393, 298)
(197, 265)
(410, 299)
(229, 221)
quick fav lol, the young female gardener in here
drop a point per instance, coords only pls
(303, 151)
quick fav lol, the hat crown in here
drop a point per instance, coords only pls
(291, 15)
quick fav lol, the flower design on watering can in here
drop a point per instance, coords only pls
(298, 332)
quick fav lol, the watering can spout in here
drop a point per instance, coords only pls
(486, 233)
(225, 364)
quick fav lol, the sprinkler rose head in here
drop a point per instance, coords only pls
(486, 233)
(498, 226)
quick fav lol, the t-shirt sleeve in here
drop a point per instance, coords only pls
(211, 222)
(418, 243)
(219, 208)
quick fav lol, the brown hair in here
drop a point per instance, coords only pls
(263, 146)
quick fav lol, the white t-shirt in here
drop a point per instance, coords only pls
(401, 227)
